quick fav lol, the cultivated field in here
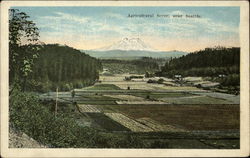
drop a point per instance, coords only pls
(161, 111)
(133, 125)
(126, 97)
(141, 84)
(189, 117)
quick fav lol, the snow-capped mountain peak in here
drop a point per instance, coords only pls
(129, 44)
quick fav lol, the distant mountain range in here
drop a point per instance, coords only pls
(131, 48)
(128, 44)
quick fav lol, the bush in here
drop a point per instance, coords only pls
(231, 80)
(147, 75)
(38, 86)
(28, 115)
(153, 81)
(46, 86)
(136, 77)
(77, 84)
(160, 81)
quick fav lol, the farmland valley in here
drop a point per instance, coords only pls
(173, 115)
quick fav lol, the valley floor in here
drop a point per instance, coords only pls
(170, 116)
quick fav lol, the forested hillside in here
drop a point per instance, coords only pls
(141, 66)
(212, 62)
(63, 67)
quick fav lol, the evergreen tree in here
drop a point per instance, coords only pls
(23, 47)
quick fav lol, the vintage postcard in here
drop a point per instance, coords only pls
(124, 78)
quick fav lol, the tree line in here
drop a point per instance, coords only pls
(149, 62)
(212, 62)
(63, 67)
(208, 62)
(141, 65)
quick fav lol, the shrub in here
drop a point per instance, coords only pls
(231, 80)
(77, 84)
(152, 81)
(28, 115)
(160, 81)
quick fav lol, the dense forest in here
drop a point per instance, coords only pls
(63, 67)
(141, 66)
(212, 62)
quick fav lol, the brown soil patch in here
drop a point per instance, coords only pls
(190, 117)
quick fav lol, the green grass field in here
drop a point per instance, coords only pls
(97, 102)
(107, 123)
(197, 100)
(104, 87)
(96, 99)
(155, 95)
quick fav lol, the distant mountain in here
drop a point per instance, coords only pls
(114, 54)
(131, 48)
(128, 44)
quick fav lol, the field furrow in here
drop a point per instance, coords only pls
(157, 127)
(129, 123)
(141, 102)
(126, 97)
(88, 108)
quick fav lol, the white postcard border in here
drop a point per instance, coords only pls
(62, 152)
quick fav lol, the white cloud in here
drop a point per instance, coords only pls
(70, 27)
(114, 15)
(81, 20)
(70, 17)
(90, 25)
(62, 22)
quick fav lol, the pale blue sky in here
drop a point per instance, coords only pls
(94, 27)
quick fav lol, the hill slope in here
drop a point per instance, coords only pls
(220, 64)
(63, 66)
